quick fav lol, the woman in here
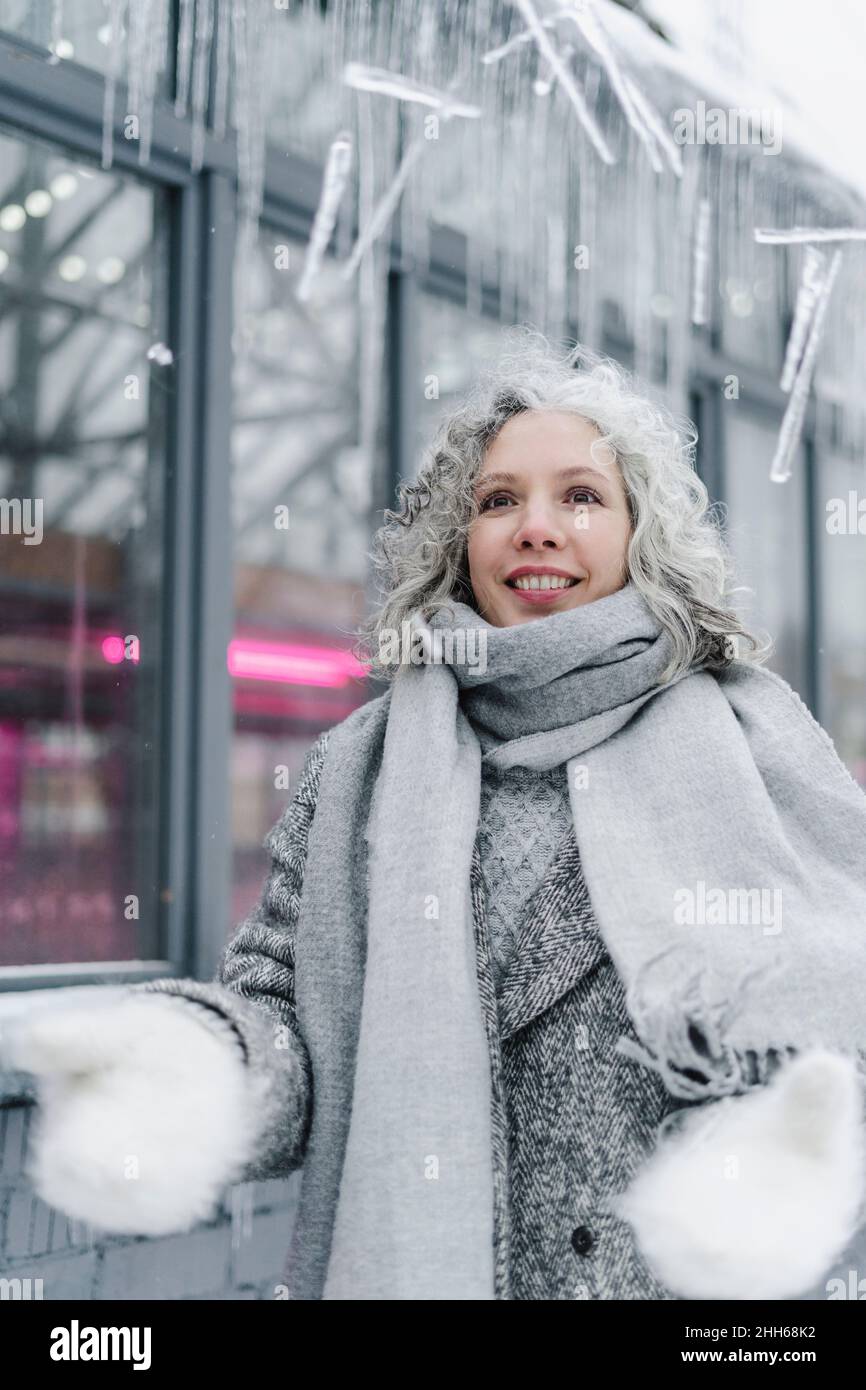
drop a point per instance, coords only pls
(559, 891)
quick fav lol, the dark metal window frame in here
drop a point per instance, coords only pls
(63, 104)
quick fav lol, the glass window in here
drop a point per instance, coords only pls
(752, 317)
(449, 346)
(85, 33)
(82, 300)
(751, 305)
(768, 535)
(302, 499)
(842, 650)
(308, 47)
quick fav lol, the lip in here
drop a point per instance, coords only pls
(541, 596)
(540, 569)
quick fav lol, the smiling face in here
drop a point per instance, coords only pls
(546, 506)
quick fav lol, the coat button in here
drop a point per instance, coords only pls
(582, 1239)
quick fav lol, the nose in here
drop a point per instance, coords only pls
(540, 527)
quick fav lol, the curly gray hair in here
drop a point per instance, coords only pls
(677, 556)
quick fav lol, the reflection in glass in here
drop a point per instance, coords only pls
(449, 347)
(302, 498)
(81, 412)
(85, 33)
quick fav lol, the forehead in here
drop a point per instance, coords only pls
(556, 438)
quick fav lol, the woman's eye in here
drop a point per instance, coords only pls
(499, 496)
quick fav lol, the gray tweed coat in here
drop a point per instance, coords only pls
(572, 1120)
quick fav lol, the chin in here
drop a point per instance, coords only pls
(510, 614)
(518, 611)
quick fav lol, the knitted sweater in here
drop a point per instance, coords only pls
(524, 818)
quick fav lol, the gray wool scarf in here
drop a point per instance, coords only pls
(723, 844)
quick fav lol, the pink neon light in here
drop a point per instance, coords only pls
(264, 700)
(112, 649)
(292, 663)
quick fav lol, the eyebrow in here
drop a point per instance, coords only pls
(576, 470)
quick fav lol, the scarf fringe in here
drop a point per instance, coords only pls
(687, 1047)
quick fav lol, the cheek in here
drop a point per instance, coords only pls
(471, 552)
(608, 539)
(478, 553)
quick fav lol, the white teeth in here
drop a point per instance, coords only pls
(542, 581)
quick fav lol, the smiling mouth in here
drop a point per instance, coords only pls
(541, 584)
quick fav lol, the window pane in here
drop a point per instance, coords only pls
(80, 558)
(767, 531)
(85, 33)
(303, 53)
(752, 304)
(450, 347)
(752, 318)
(842, 653)
(302, 527)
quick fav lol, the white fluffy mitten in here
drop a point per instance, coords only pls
(145, 1113)
(756, 1195)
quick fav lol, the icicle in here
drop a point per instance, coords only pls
(495, 55)
(588, 288)
(384, 210)
(56, 30)
(814, 275)
(242, 95)
(543, 84)
(534, 238)
(154, 63)
(184, 55)
(677, 239)
(333, 185)
(372, 281)
(138, 27)
(701, 263)
(262, 47)
(544, 81)
(566, 80)
(243, 102)
(589, 23)
(115, 20)
(556, 286)
(792, 236)
(394, 84)
(250, 41)
(643, 270)
(656, 126)
(421, 228)
(792, 423)
(223, 63)
(200, 72)
(386, 83)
